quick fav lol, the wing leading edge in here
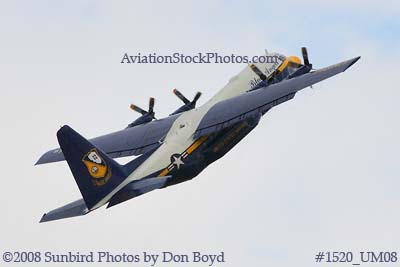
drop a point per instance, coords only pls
(254, 103)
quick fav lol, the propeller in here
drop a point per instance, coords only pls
(305, 57)
(188, 104)
(150, 112)
(185, 100)
(181, 96)
(258, 72)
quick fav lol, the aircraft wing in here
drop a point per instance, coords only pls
(131, 141)
(257, 102)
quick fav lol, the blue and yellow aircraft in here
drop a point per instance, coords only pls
(177, 148)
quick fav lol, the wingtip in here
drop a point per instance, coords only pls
(352, 62)
(50, 156)
(43, 219)
(41, 160)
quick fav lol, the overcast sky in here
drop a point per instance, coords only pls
(321, 172)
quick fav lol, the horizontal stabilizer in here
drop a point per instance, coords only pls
(76, 208)
(137, 188)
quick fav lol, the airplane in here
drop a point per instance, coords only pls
(178, 147)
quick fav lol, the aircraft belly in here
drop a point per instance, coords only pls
(211, 148)
(178, 139)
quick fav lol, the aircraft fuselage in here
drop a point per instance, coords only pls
(212, 148)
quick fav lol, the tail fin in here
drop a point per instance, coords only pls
(95, 173)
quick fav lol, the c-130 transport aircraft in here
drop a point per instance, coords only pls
(177, 148)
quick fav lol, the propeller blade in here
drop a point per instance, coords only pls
(258, 72)
(196, 97)
(305, 56)
(151, 104)
(181, 96)
(138, 109)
